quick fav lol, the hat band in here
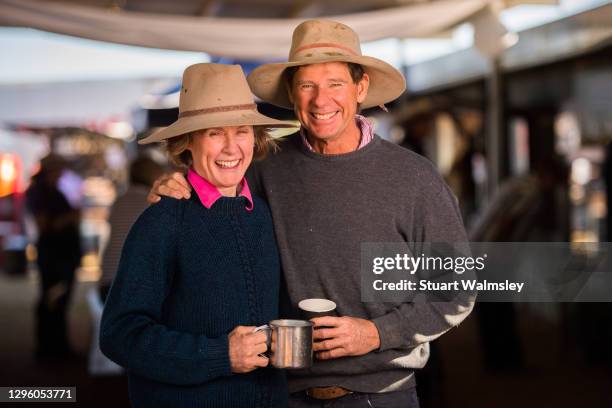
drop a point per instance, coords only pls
(325, 45)
(217, 109)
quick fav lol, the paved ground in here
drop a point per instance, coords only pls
(555, 373)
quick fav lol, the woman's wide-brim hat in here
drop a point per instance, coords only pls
(320, 41)
(214, 95)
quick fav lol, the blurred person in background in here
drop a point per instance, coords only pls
(59, 255)
(126, 209)
(142, 173)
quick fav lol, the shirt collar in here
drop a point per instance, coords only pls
(209, 194)
(364, 125)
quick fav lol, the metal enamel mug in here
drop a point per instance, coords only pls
(289, 343)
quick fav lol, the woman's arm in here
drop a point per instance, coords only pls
(131, 332)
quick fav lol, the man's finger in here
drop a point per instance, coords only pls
(321, 334)
(152, 198)
(175, 185)
(180, 178)
(329, 321)
(330, 354)
(164, 190)
(327, 345)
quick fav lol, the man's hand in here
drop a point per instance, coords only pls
(246, 348)
(171, 185)
(344, 336)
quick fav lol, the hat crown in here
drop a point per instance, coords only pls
(212, 86)
(323, 38)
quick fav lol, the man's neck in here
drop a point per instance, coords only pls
(346, 142)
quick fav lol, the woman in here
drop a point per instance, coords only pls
(197, 276)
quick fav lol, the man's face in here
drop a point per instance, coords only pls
(325, 99)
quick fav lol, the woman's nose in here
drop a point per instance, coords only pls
(231, 144)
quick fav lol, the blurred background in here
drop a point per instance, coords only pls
(511, 99)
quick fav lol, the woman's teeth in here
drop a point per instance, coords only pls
(227, 164)
(323, 116)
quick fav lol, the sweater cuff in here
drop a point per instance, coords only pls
(389, 331)
(217, 357)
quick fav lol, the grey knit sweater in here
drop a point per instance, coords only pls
(324, 207)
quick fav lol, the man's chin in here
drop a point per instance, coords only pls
(322, 135)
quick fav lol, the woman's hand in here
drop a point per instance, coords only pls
(172, 185)
(245, 349)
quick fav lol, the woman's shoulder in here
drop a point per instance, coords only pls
(260, 204)
(161, 215)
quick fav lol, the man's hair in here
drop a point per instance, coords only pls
(181, 157)
(355, 70)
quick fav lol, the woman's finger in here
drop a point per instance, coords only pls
(261, 361)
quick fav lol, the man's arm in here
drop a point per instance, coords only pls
(176, 185)
(344, 336)
(409, 324)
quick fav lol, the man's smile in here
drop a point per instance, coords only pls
(323, 116)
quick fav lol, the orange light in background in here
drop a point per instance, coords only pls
(9, 174)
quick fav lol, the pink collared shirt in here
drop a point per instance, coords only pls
(367, 133)
(209, 194)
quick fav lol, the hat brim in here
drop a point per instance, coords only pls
(219, 119)
(386, 82)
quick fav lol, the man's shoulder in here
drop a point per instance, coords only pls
(406, 159)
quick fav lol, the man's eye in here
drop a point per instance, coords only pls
(306, 86)
(335, 84)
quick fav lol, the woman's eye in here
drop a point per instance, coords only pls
(306, 86)
(336, 84)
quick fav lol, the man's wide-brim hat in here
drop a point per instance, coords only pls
(320, 41)
(214, 95)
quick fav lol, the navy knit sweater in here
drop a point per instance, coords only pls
(187, 277)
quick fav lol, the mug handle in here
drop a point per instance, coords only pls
(268, 331)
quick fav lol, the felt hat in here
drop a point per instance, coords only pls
(320, 41)
(214, 95)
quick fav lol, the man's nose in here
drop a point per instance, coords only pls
(320, 97)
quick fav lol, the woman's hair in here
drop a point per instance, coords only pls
(180, 156)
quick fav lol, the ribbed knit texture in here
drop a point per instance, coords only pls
(187, 277)
(324, 207)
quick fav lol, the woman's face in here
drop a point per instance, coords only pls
(222, 155)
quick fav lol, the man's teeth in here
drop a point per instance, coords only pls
(323, 116)
(227, 164)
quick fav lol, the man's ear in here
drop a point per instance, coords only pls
(362, 88)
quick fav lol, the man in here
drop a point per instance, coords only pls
(331, 187)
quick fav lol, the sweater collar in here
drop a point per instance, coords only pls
(209, 194)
